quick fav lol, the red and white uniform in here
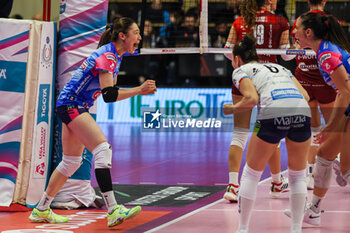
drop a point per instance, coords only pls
(268, 31)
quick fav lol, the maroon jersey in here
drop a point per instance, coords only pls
(268, 31)
(307, 71)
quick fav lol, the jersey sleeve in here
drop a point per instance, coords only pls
(284, 23)
(329, 61)
(106, 62)
(237, 76)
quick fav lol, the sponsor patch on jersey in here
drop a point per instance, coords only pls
(325, 57)
(111, 57)
(285, 93)
(96, 94)
(84, 65)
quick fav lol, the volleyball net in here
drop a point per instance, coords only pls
(202, 26)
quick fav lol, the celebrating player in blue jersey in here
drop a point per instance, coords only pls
(325, 36)
(97, 75)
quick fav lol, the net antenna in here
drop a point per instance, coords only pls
(46, 10)
(203, 27)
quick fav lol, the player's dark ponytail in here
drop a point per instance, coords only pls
(246, 49)
(112, 31)
(326, 27)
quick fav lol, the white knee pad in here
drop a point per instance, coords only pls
(103, 155)
(314, 131)
(297, 181)
(240, 137)
(69, 165)
(249, 183)
(323, 172)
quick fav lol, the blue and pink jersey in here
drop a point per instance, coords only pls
(329, 57)
(84, 87)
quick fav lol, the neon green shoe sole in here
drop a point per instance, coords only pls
(120, 213)
(47, 216)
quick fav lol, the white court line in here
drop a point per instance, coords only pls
(185, 183)
(281, 211)
(147, 183)
(195, 211)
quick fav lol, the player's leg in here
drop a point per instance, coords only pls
(315, 128)
(258, 153)
(87, 130)
(237, 146)
(345, 153)
(279, 184)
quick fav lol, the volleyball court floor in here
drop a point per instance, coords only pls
(187, 162)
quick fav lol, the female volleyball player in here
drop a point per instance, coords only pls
(321, 95)
(325, 36)
(273, 87)
(97, 75)
(271, 31)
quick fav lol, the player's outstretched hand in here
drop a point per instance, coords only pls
(148, 87)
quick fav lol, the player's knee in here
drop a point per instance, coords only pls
(69, 165)
(103, 155)
(250, 178)
(323, 173)
(297, 181)
(240, 137)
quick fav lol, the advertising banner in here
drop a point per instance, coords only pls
(80, 28)
(14, 40)
(43, 119)
(170, 101)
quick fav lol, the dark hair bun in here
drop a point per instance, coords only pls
(248, 41)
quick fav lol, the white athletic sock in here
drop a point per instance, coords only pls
(276, 178)
(298, 197)
(316, 203)
(44, 202)
(110, 201)
(245, 207)
(233, 178)
(247, 195)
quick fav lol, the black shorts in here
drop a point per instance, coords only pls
(296, 128)
(67, 113)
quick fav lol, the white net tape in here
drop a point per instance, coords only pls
(153, 51)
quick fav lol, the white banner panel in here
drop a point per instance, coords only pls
(43, 121)
(13, 62)
(81, 26)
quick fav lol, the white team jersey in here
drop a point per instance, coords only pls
(278, 95)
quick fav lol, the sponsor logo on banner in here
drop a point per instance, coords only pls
(40, 169)
(157, 120)
(3, 73)
(151, 120)
(43, 103)
(295, 52)
(47, 54)
(12, 76)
